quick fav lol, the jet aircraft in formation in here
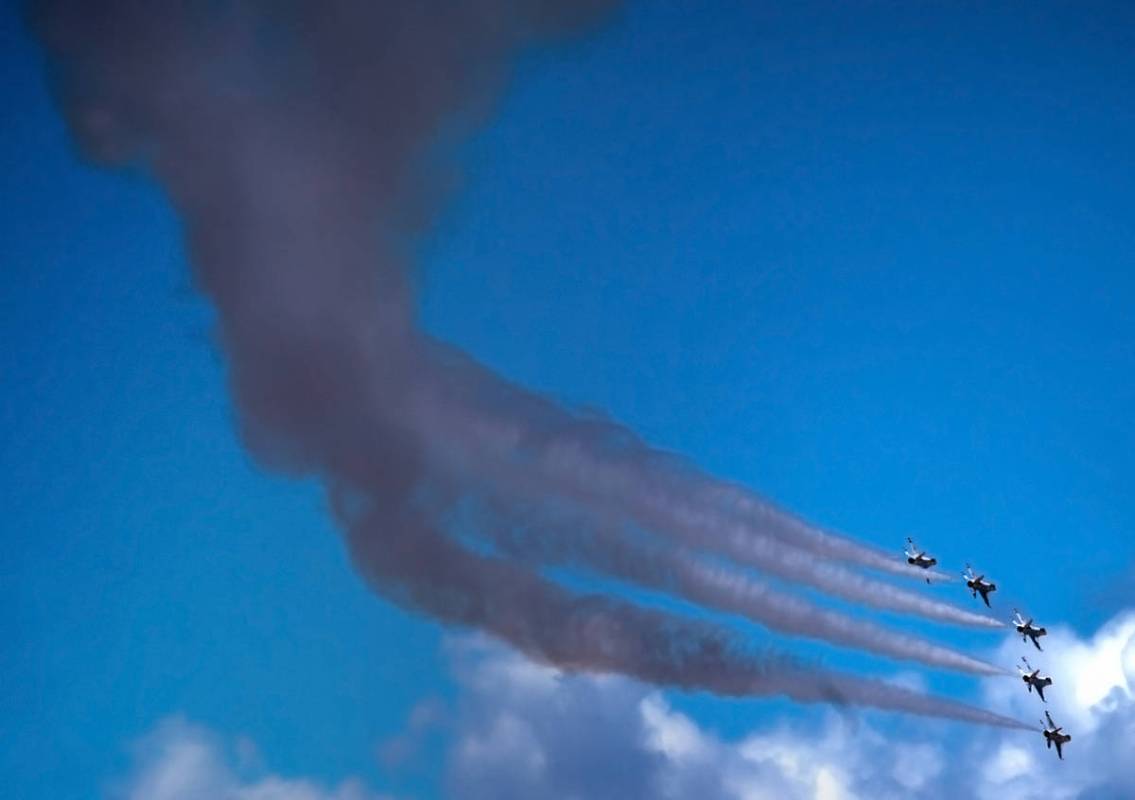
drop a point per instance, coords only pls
(1027, 629)
(918, 558)
(1053, 735)
(1033, 679)
(977, 584)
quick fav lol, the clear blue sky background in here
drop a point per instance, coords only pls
(875, 262)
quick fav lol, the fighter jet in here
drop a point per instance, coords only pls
(978, 583)
(1033, 679)
(1027, 629)
(918, 558)
(1053, 736)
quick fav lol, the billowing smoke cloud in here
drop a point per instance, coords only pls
(298, 142)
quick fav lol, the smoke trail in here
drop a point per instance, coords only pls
(293, 138)
(591, 633)
(600, 545)
(571, 467)
(543, 429)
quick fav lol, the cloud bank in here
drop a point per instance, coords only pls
(525, 731)
(588, 737)
(182, 761)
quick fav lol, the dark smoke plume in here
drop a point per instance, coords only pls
(299, 142)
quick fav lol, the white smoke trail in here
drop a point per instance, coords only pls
(457, 432)
(579, 538)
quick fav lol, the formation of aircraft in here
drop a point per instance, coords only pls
(1053, 735)
(977, 584)
(1032, 678)
(1027, 629)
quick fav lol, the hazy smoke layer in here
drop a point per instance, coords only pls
(294, 138)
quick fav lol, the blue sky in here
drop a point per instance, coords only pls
(871, 262)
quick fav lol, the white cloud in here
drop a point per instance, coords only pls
(1091, 677)
(1008, 763)
(524, 731)
(1092, 696)
(527, 731)
(182, 761)
(672, 735)
(427, 718)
